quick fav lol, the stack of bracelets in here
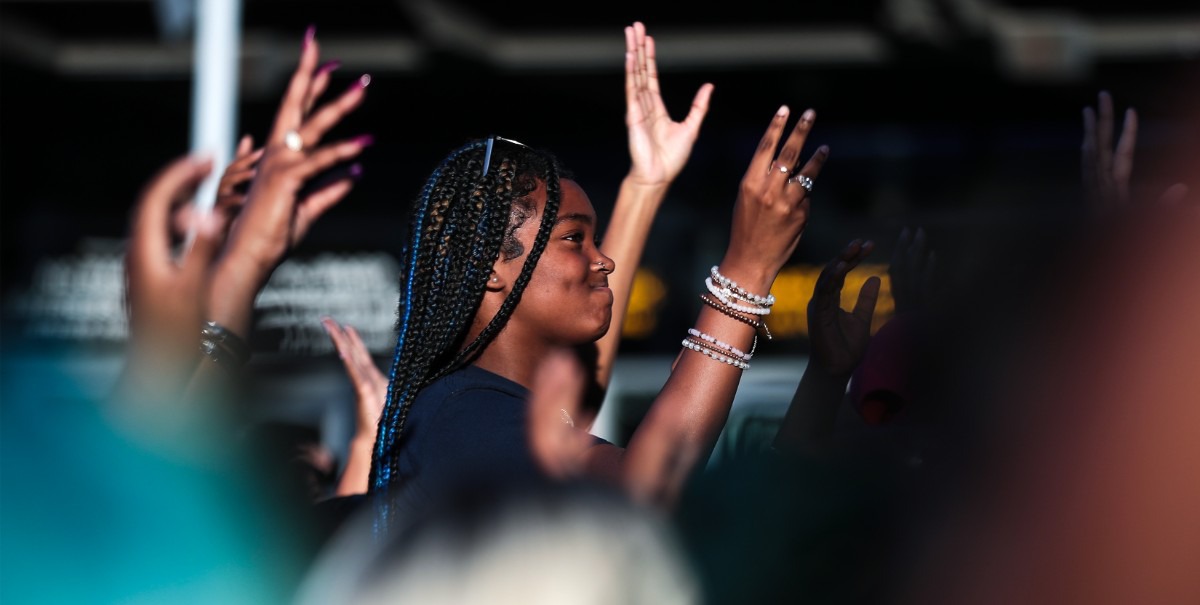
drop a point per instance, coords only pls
(223, 347)
(727, 297)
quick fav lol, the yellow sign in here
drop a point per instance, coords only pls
(793, 289)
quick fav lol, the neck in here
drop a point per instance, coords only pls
(516, 361)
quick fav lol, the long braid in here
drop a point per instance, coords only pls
(553, 198)
(457, 232)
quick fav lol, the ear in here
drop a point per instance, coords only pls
(496, 282)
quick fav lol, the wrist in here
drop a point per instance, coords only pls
(231, 298)
(754, 278)
(363, 441)
(645, 190)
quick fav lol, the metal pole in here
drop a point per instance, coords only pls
(214, 88)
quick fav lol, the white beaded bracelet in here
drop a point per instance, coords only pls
(725, 295)
(742, 293)
(724, 346)
(737, 363)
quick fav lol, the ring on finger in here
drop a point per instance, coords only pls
(804, 181)
(292, 140)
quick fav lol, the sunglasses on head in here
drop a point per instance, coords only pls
(487, 154)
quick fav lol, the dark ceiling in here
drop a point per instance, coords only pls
(936, 111)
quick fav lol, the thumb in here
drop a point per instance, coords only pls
(209, 230)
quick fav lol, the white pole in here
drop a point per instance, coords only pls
(218, 27)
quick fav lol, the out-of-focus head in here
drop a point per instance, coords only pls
(553, 543)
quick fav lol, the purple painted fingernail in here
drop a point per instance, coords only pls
(364, 140)
(310, 34)
(363, 81)
(328, 66)
(356, 170)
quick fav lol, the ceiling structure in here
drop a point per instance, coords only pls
(148, 38)
(930, 106)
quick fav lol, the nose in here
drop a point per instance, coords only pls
(605, 264)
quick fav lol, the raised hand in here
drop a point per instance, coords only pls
(231, 194)
(911, 272)
(275, 217)
(230, 190)
(278, 210)
(166, 294)
(839, 337)
(659, 148)
(1107, 173)
(658, 145)
(370, 389)
(557, 421)
(772, 208)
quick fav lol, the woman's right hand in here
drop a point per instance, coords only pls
(277, 213)
(275, 216)
(772, 206)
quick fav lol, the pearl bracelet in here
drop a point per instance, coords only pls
(717, 356)
(742, 293)
(725, 294)
(726, 347)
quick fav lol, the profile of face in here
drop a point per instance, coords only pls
(567, 301)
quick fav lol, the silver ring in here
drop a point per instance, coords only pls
(292, 140)
(783, 169)
(804, 181)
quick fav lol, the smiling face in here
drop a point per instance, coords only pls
(567, 300)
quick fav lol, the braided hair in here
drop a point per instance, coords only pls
(462, 222)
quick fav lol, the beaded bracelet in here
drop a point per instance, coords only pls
(723, 346)
(742, 293)
(725, 295)
(758, 324)
(222, 346)
(737, 363)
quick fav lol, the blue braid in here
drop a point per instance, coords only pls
(385, 437)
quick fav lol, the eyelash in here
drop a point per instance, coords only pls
(577, 237)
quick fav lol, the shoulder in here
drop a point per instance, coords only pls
(472, 382)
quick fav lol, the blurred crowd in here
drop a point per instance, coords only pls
(1043, 456)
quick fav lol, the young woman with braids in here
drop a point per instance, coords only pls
(501, 270)
(659, 148)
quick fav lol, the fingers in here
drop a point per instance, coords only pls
(365, 362)
(828, 290)
(699, 108)
(649, 61)
(812, 168)
(1173, 195)
(868, 296)
(343, 345)
(1088, 157)
(150, 233)
(233, 178)
(209, 229)
(764, 156)
(320, 83)
(291, 108)
(1104, 134)
(555, 401)
(1123, 160)
(328, 156)
(317, 203)
(789, 155)
(244, 146)
(330, 114)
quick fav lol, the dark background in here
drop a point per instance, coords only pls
(938, 126)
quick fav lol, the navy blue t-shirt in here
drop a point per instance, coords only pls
(466, 429)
